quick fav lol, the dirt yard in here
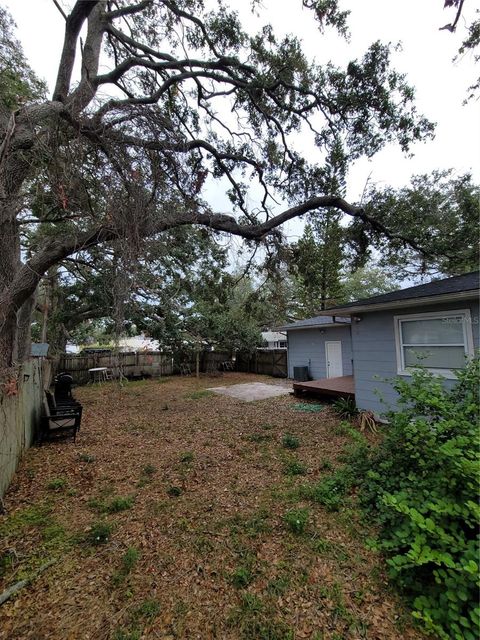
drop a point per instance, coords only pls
(178, 514)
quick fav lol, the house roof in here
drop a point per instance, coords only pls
(273, 336)
(452, 289)
(316, 322)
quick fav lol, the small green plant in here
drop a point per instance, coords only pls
(100, 533)
(174, 492)
(290, 442)
(294, 468)
(187, 457)
(296, 520)
(149, 470)
(147, 610)
(129, 560)
(345, 407)
(241, 577)
(56, 484)
(85, 457)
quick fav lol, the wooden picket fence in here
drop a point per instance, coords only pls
(272, 362)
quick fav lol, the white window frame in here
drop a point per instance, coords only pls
(451, 313)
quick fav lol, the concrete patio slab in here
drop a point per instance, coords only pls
(252, 391)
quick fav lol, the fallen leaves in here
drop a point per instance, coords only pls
(228, 515)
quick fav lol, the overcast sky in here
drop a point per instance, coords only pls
(425, 57)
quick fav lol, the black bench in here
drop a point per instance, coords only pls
(59, 420)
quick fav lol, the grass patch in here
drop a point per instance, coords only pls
(252, 526)
(116, 505)
(253, 620)
(187, 457)
(296, 520)
(100, 533)
(202, 393)
(147, 610)
(57, 484)
(278, 586)
(258, 437)
(148, 471)
(242, 577)
(128, 562)
(331, 492)
(308, 407)
(290, 441)
(85, 457)
(174, 492)
(38, 515)
(294, 468)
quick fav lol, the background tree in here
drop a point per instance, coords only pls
(441, 212)
(183, 95)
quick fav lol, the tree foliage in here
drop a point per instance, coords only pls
(183, 96)
(440, 210)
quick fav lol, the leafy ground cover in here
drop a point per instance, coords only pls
(181, 514)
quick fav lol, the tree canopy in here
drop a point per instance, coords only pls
(173, 95)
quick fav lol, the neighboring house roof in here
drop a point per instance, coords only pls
(453, 289)
(316, 322)
(39, 349)
(139, 343)
(273, 336)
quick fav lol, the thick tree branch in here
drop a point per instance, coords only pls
(73, 26)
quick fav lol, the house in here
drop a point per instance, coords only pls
(434, 325)
(274, 339)
(323, 344)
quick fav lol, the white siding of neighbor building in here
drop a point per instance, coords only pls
(374, 353)
(306, 347)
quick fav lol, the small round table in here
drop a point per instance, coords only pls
(98, 374)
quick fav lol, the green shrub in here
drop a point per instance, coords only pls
(290, 442)
(422, 488)
(345, 407)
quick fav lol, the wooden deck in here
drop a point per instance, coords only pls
(342, 387)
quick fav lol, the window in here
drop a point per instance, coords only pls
(283, 344)
(438, 341)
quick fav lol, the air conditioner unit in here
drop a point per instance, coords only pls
(300, 374)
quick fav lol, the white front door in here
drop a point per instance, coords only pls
(333, 352)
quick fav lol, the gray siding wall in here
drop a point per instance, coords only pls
(307, 347)
(374, 353)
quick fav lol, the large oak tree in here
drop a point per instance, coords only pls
(172, 96)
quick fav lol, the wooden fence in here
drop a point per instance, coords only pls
(148, 363)
(271, 362)
(152, 363)
(268, 362)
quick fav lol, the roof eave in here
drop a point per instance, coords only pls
(317, 326)
(407, 302)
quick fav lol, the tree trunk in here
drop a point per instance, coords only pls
(24, 334)
(9, 263)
